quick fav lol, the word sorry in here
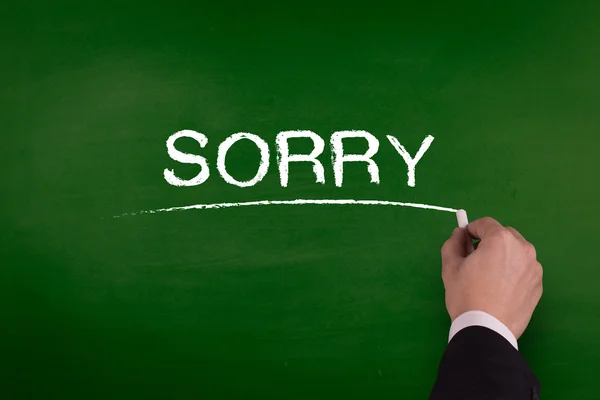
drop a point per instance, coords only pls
(284, 158)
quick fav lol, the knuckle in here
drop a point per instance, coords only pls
(504, 234)
(445, 247)
(539, 271)
(530, 249)
(487, 220)
(538, 292)
(512, 231)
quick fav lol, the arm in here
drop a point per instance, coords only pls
(495, 289)
(480, 364)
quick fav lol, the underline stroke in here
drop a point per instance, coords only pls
(289, 202)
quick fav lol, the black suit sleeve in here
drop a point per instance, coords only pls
(480, 364)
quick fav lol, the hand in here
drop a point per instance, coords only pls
(502, 277)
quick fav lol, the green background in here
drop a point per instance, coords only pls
(285, 302)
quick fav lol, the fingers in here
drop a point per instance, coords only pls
(455, 248)
(488, 227)
(484, 227)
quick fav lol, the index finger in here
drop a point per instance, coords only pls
(483, 227)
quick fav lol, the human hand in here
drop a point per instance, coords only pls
(502, 277)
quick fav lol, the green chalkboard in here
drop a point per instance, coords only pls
(285, 301)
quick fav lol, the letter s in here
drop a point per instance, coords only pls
(186, 158)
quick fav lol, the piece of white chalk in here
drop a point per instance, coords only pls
(461, 217)
(463, 221)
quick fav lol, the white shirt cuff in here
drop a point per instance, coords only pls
(480, 318)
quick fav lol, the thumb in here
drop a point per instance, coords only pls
(455, 249)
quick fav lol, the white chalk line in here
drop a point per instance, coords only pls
(291, 202)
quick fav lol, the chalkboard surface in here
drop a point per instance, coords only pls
(285, 301)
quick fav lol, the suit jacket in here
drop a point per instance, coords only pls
(479, 364)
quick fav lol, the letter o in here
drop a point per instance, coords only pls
(264, 159)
